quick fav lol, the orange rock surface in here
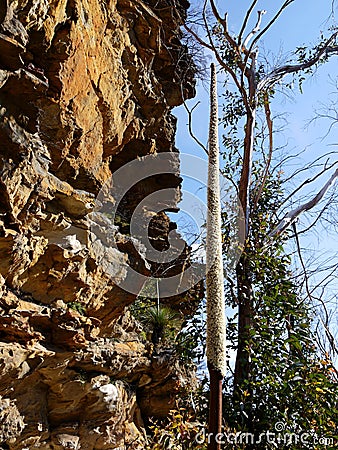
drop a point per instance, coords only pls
(85, 87)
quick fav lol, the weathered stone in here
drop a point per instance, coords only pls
(85, 87)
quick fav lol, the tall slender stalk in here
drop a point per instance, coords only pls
(216, 326)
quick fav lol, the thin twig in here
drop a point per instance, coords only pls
(189, 112)
(308, 180)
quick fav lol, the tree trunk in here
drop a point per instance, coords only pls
(244, 284)
(244, 182)
(245, 313)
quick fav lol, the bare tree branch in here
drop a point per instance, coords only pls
(272, 21)
(290, 218)
(245, 22)
(192, 134)
(280, 72)
(325, 324)
(256, 28)
(302, 264)
(223, 22)
(317, 219)
(220, 60)
(308, 180)
(196, 36)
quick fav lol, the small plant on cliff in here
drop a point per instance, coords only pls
(161, 322)
(77, 306)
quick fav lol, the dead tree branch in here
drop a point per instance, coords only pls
(292, 216)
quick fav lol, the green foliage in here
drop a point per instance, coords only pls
(160, 323)
(190, 341)
(233, 109)
(120, 220)
(81, 375)
(122, 223)
(185, 335)
(77, 306)
(178, 432)
(288, 382)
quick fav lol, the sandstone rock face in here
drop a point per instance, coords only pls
(86, 86)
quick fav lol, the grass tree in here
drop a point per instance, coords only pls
(216, 326)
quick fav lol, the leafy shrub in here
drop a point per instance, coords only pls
(181, 431)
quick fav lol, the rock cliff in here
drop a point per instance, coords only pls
(86, 87)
